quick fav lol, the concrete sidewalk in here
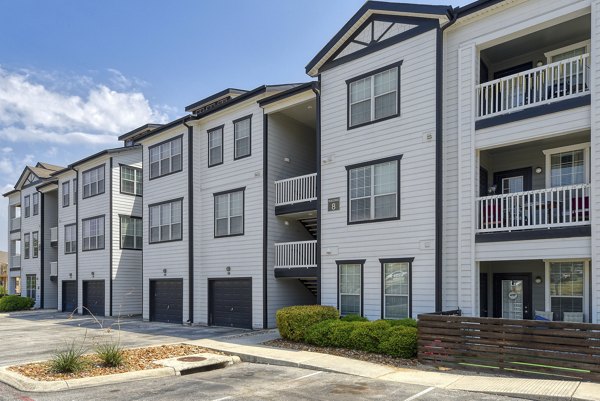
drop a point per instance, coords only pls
(249, 349)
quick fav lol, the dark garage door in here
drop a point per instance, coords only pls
(93, 297)
(166, 301)
(69, 296)
(230, 303)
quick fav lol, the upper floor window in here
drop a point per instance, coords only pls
(374, 96)
(165, 221)
(26, 245)
(373, 191)
(229, 213)
(66, 192)
(165, 157)
(36, 243)
(93, 233)
(27, 202)
(36, 204)
(568, 165)
(131, 232)
(131, 180)
(242, 130)
(215, 146)
(70, 238)
(93, 182)
(75, 191)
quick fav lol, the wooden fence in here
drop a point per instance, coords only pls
(525, 347)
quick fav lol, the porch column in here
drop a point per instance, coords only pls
(595, 160)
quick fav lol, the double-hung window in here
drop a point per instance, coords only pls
(93, 182)
(373, 191)
(66, 193)
(374, 96)
(26, 245)
(27, 202)
(31, 286)
(567, 287)
(93, 233)
(36, 203)
(350, 288)
(396, 289)
(131, 232)
(165, 221)
(131, 180)
(215, 146)
(70, 238)
(229, 213)
(35, 243)
(165, 157)
(242, 137)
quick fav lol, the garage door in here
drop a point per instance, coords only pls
(166, 301)
(93, 297)
(69, 296)
(230, 303)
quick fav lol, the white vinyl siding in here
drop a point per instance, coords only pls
(93, 182)
(374, 97)
(396, 287)
(241, 134)
(374, 192)
(165, 221)
(165, 158)
(131, 180)
(70, 238)
(93, 233)
(215, 146)
(350, 284)
(66, 193)
(229, 214)
(131, 232)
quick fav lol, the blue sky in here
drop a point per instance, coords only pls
(76, 74)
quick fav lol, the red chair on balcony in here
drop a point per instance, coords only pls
(493, 216)
(580, 208)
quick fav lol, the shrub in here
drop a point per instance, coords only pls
(293, 321)
(340, 334)
(68, 360)
(354, 318)
(366, 336)
(399, 341)
(403, 322)
(111, 354)
(11, 303)
(320, 333)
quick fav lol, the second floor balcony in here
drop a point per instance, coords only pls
(15, 224)
(296, 194)
(15, 261)
(299, 254)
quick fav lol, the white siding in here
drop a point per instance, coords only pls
(66, 216)
(560, 248)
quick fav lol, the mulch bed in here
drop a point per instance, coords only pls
(348, 353)
(135, 359)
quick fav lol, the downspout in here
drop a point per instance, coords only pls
(190, 130)
(317, 90)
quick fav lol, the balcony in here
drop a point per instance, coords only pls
(15, 224)
(53, 269)
(54, 235)
(15, 261)
(564, 206)
(296, 257)
(296, 194)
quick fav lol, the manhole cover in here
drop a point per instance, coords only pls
(192, 359)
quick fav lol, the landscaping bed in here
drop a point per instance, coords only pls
(134, 359)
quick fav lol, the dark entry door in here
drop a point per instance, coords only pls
(69, 296)
(93, 297)
(483, 295)
(512, 295)
(166, 301)
(230, 303)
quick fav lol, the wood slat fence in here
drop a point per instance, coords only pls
(524, 347)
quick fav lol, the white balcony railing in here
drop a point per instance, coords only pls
(296, 254)
(16, 261)
(542, 208)
(54, 234)
(545, 84)
(15, 224)
(296, 189)
(53, 269)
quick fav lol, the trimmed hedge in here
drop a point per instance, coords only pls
(353, 318)
(293, 321)
(399, 341)
(10, 303)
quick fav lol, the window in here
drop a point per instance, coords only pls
(70, 238)
(66, 192)
(93, 233)
(568, 165)
(75, 191)
(31, 286)
(396, 289)
(36, 204)
(229, 213)
(563, 53)
(350, 288)
(131, 180)
(374, 96)
(165, 221)
(17, 285)
(131, 232)
(35, 243)
(215, 146)
(242, 134)
(27, 201)
(93, 182)
(373, 191)
(567, 283)
(26, 245)
(512, 184)
(165, 158)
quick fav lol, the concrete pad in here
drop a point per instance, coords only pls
(531, 388)
(587, 391)
(208, 343)
(198, 362)
(430, 379)
(348, 366)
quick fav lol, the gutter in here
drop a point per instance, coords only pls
(317, 90)
(190, 130)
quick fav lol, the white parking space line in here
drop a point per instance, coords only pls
(414, 397)
(305, 376)
(224, 398)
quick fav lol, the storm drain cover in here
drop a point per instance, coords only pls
(192, 359)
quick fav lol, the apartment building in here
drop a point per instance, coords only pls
(443, 158)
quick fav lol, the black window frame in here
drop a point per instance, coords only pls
(71, 250)
(235, 122)
(35, 203)
(383, 262)
(398, 159)
(35, 244)
(141, 238)
(27, 204)
(66, 184)
(360, 262)
(150, 242)
(397, 64)
(139, 173)
(88, 171)
(158, 145)
(26, 245)
(215, 195)
(103, 235)
(209, 132)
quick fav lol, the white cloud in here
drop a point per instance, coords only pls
(7, 149)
